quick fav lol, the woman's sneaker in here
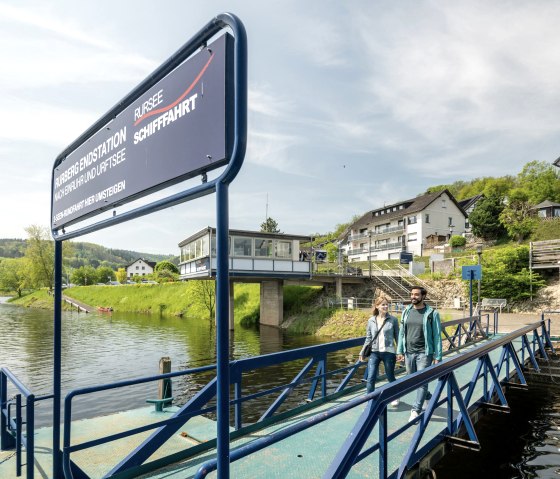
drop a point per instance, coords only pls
(413, 415)
(396, 402)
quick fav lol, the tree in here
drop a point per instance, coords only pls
(270, 226)
(121, 275)
(166, 265)
(332, 252)
(206, 289)
(13, 274)
(540, 180)
(40, 254)
(517, 216)
(104, 274)
(84, 275)
(484, 219)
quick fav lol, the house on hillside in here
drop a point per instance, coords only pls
(468, 206)
(548, 209)
(383, 233)
(140, 267)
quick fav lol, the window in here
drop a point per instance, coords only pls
(427, 218)
(263, 247)
(284, 249)
(443, 203)
(400, 223)
(411, 220)
(242, 246)
(143, 267)
(411, 237)
(450, 221)
(556, 212)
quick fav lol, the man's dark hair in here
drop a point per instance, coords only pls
(423, 291)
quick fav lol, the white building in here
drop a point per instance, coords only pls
(383, 233)
(140, 267)
(251, 254)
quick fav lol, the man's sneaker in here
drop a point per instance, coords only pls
(413, 415)
(396, 402)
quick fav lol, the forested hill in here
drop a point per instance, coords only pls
(86, 254)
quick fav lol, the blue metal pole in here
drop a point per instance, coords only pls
(470, 294)
(57, 361)
(222, 328)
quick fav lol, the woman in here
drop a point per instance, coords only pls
(382, 332)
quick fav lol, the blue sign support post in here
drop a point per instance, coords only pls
(471, 273)
(223, 65)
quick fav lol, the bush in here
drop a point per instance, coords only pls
(457, 241)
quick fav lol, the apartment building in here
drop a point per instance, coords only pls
(405, 226)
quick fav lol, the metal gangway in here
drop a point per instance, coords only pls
(318, 424)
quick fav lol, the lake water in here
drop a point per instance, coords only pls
(103, 348)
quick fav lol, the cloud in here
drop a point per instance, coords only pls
(273, 150)
(57, 48)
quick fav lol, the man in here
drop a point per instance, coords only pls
(419, 341)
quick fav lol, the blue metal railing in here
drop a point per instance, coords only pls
(18, 432)
(376, 411)
(313, 357)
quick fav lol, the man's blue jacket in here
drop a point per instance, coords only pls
(432, 332)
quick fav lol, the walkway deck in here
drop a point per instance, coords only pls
(307, 454)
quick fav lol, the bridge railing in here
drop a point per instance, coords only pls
(315, 380)
(17, 430)
(319, 379)
(446, 392)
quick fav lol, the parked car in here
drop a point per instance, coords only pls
(149, 281)
(114, 283)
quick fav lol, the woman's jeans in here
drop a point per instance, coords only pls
(389, 360)
(416, 362)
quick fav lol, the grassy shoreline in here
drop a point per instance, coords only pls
(302, 312)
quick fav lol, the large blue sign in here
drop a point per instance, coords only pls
(175, 130)
(472, 272)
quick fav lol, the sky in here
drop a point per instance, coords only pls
(352, 105)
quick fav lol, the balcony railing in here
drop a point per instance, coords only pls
(391, 229)
(385, 247)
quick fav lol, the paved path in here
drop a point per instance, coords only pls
(508, 322)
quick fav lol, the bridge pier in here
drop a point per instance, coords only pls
(272, 303)
(338, 286)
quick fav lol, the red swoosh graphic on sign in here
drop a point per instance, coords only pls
(178, 100)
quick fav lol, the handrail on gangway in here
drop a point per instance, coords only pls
(11, 429)
(376, 411)
(315, 356)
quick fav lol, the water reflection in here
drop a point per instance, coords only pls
(104, 348)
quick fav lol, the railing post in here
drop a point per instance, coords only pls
(30, 436)
(18, 435)
(6, 439)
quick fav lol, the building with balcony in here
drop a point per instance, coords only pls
(383, 233)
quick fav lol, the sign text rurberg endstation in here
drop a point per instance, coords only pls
(172, 132)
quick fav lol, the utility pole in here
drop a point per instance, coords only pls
(479, 253)
(369, 252)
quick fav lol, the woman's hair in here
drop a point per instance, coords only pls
(376, 304)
